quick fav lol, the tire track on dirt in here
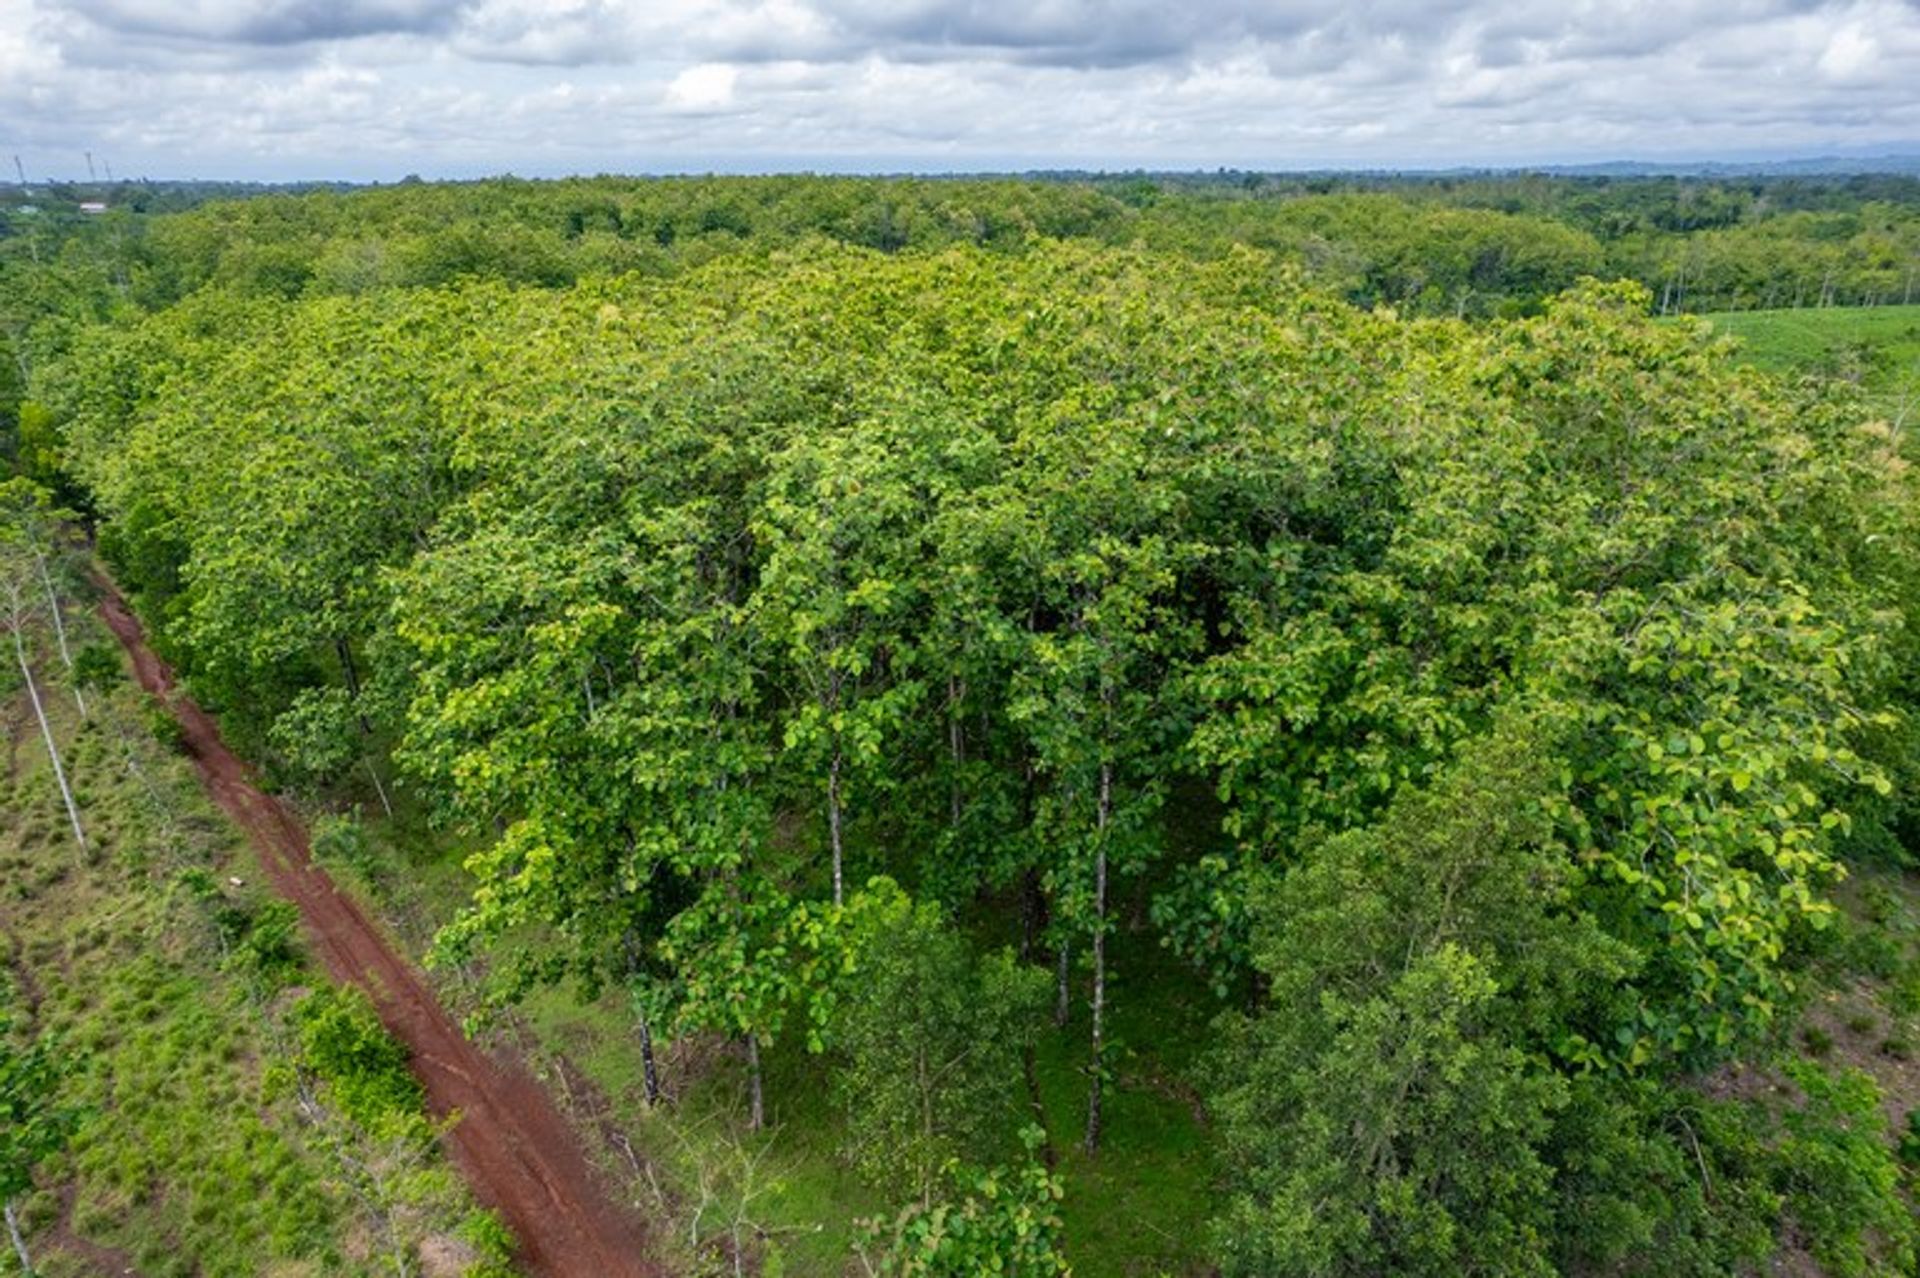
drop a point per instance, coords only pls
(511, 1142)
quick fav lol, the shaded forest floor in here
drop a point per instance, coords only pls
(786, 1199)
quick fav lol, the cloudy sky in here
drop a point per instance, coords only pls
(375, 89)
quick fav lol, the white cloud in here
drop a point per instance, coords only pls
(702, 88)
(1851, 54)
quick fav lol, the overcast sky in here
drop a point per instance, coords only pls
(375, 89)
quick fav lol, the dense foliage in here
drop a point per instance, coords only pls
(788, 622)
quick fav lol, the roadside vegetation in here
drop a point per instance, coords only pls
(219, 1108)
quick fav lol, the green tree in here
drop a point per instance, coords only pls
(832, 593)
(1387, 1112)
(1088, 693)
(931, 1039)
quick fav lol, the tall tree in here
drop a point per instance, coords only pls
(834, 590)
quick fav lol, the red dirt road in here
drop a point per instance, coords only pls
(515, 1149)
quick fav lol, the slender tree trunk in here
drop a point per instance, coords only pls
(386, 805)
(756, 1103)
(1099, 959)
(46, 732)
(956, 744)
(1062, 995)
(59, 628)
(19, 1243)
(351, 673)
(833, 823)
(926, 1126)
(647, 1066)
(1032, 906)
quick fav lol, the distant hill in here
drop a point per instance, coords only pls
(1818, 166)
(1902, 164)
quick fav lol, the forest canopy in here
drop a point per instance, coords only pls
(1479, 685)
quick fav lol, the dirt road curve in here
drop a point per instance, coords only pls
(519, 1154)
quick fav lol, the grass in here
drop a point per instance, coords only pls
(1136, 1208)
(191, 1161)
(1826, 339)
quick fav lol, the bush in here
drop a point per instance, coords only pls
(271, 937)
(492, 1241)
(1871, 950)
(1904, 996)
(97, 665)
(365, 1069)
(1841, 1182)
(1004, 1221)
(1909, 1147)
(342, 841)
(165, 728)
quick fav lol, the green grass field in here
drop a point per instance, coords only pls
(1879, 344)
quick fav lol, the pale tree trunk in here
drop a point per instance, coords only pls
(46, 732)
(833, 822)
(1031, 904)
(59, 628)
(19, 1243)
(386, 805)
(756, 1102)
(1099, 957)
(647, 1066)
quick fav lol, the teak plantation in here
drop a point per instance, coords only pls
(1108, 725)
